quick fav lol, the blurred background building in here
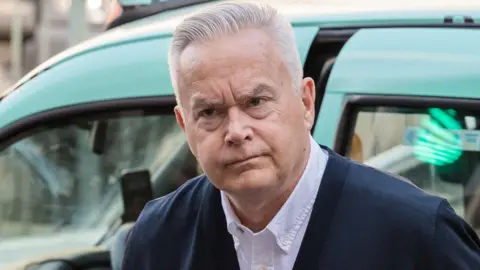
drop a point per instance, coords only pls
(31, 31)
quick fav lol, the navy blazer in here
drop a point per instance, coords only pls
(362, 219)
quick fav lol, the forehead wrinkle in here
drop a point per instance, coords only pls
(233, 86)
(226, 73)
(208, 64)
(199, 101)
(218, 56)
(258, 89)
(199, 97)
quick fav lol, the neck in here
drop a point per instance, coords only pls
(256, 210)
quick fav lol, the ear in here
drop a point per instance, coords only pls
(308, 99)
(181, 122)
(179, 115)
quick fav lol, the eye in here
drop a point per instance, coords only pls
(255, 101)
(208, 112)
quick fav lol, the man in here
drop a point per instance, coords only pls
(271, 198)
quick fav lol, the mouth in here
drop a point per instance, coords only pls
(241, 161)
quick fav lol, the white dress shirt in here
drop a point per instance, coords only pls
(276, 246)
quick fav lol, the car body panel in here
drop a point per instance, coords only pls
(78, 81)
(405, 61)
(328, 117)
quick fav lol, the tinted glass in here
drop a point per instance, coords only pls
(437, 149)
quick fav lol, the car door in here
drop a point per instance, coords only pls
(409, 106)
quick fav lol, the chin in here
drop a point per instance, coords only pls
(251, 180)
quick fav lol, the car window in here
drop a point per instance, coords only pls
(437, 149)
(57, 193)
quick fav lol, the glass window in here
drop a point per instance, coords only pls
(57, 193)
(437, 149)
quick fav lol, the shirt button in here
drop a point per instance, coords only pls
(261, 267)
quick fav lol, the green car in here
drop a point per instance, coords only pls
(89, 136)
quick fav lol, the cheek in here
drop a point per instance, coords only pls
(279, 122)
(273, 131)
(263, 111)
(282, 132)
(194, 139)
(205, 144)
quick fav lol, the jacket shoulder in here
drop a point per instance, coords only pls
(444, 238)
(177, 204)
(394, 195)
(162, 220)
(398, 211)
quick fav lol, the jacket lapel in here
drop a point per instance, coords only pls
(218, 247)
(323, 212)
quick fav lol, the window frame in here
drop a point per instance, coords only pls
(353, 103)
(34, 123)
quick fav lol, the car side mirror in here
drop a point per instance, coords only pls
(137, 191)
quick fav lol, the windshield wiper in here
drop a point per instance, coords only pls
(134, 13)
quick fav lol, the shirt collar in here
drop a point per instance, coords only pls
(234, 225)
(287, 222)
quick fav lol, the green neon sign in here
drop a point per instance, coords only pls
(437, 141)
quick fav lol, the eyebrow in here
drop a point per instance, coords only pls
(259, 89)
(199, 101)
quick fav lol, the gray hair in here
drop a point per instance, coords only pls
(229, 18)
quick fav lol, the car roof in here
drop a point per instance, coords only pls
(135, 43)
(304, 12)
(420, 61)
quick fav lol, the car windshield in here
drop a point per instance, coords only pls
(57, 193)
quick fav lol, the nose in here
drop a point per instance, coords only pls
(238, 129)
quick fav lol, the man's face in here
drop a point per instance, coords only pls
(244, 121)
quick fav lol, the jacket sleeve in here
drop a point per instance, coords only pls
(138, 241)
(455, 244)
(131, 258)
